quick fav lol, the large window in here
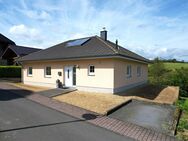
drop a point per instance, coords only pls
(91, 70)
(48, 71)
(138, 71)
(129, 71)
(30, 71)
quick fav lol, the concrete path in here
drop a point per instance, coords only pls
(123, 128)
(157, 117)
(55, 92)
(24, 120)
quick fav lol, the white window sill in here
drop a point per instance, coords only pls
(48, 76)
(29, 75)
(91, 74)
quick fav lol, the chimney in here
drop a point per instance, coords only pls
(117, 46)
(104, 34)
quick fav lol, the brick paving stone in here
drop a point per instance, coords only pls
(131, 130)
(135, 132)
(108, 123)
(155, 136)
(120, 129)
(146, 135)
(125, 132)
(151, 135)
(142, 134)
(140, 129)
(159, 137)
(102, 123)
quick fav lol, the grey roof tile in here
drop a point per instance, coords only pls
(21, 50)
(94, 47)
(6, 40)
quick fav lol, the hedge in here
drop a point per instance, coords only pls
(10, 71)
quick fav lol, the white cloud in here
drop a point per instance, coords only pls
(23, 31)
(26, 35)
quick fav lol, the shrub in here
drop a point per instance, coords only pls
(174, 77)
(157, 72)
(179, 77)
(182, 103)
(10, 71)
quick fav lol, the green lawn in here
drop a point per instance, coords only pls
(172, 66)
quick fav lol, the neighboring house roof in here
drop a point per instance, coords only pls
(19, 50)
(6, 40)
(83, 48)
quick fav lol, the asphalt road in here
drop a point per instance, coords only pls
(24, 120)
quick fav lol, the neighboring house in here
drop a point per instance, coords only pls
(89, 64)
(9, 51)
(4, 43)
(14, 52)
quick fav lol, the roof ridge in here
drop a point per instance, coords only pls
(112, 48)
(78, 38)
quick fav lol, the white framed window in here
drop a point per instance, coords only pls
(48, 71)
(91, 70)
(129, 71)
(30, 71)
(138, 71)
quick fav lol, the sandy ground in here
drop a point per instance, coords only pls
(96, 102)
(165, 95)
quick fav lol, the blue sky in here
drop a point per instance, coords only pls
(149, 27)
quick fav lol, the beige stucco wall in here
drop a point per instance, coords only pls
(121, 81)
(103, 79)
(110, 74)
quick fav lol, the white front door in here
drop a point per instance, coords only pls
(68, 76)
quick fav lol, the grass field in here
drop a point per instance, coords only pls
(172, 66)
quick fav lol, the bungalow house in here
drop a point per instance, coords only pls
(9, 51)
(88, 64)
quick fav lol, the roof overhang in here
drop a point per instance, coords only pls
(87, 58)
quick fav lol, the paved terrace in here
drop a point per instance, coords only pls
(123, 128)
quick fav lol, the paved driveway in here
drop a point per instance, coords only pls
(22, 119)
(149, 115)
